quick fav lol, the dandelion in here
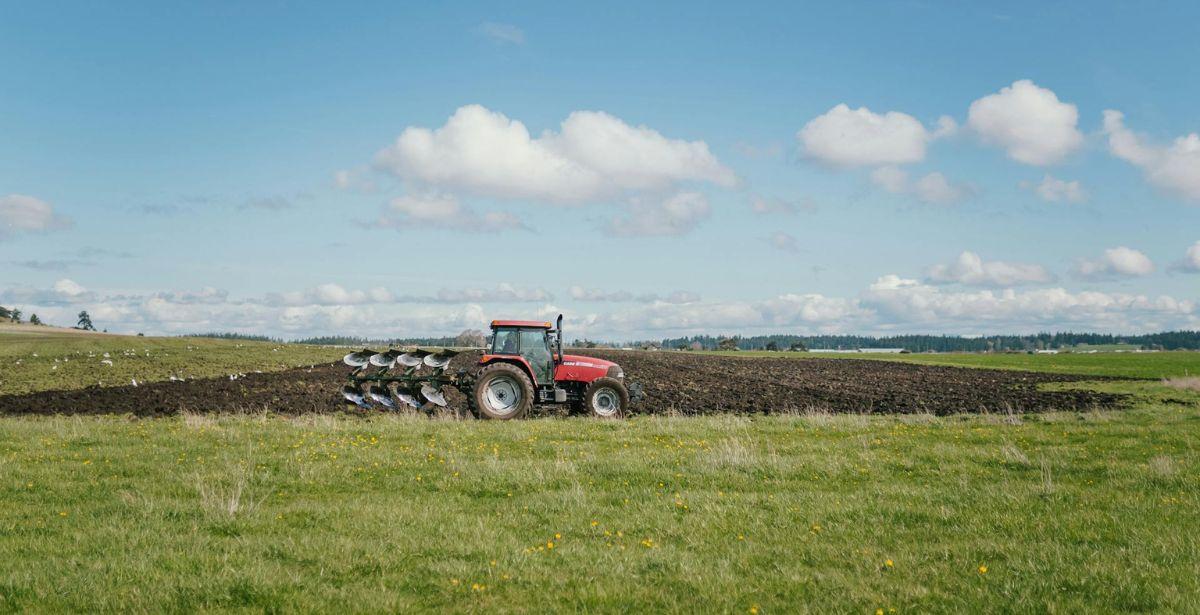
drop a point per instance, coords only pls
(754, 609)
(549, 544)
(62, 514)
(889, 564)
(454, 581)
(595, 523)
(982, 569)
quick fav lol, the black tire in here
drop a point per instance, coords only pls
(606, 398)
(507, 383)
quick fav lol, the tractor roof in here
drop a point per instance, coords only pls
(529, 324)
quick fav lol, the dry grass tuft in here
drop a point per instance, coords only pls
(1187, 383)
(1162, 466)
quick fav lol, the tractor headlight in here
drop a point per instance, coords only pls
(616, 372)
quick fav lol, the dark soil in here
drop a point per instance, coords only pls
(674, 382)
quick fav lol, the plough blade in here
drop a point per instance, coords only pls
(358, 358)
(380, 396)
(432, 394)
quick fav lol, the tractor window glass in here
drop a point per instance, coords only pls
(506, 342)
(535, 350)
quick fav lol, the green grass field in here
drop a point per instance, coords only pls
(1122, 364)
(46, 358)
(1064, 512)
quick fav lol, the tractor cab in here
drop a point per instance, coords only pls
(535, 344)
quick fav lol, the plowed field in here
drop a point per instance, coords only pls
(673, 382)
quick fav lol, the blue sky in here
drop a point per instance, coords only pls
(304, 168)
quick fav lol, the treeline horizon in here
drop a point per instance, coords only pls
(1166, 340)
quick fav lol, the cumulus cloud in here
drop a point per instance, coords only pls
(594, 156)
(763, 205)
(443, 211)
(678, 214)
(502, 293)
(1191, 260)
(972, 270)
(1029, 122)
(25, 214)
(1056, 190)
(502, 33)
(1174, 168)
(334, 294)
(932, 188)
(897, 300)
(845, 137)
(63, 292)
(1116, 262)
(330, 294)
(891, 304)
(579, 293)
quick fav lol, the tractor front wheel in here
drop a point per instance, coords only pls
(502, 392)
(606, 398)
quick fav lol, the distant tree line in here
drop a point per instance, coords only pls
(235, 336)
(1168, 340)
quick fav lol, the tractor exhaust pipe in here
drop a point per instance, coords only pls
(558, 326)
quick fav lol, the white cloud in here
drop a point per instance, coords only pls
(972, 270)
(891, 304)
(443, 211)
(330, 294)
(1029, 122)
(63, 292)
(915, 306)
(502, 293)
(932, 188)
(502, 33)
(785, 242)
(772, 205)
(1116, 262)
(594, 156)
(20, 213)
(579, 293)
(1057, 190)
(1174, 168)
(207, 295)
(678, 214)
(1191, 260)
(846, 137)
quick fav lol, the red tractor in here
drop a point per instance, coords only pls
(524, 365)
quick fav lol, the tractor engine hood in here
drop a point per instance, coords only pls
(582, 361)
(585, 369)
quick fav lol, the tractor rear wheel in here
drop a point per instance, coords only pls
(502, 392)
(606, 398)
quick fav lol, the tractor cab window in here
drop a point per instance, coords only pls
(535, 348)
(505, 341)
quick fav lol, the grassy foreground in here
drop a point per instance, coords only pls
(1067, 513)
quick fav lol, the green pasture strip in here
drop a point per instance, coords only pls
(1091, 512)
(52, 360)
(1118, 364)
